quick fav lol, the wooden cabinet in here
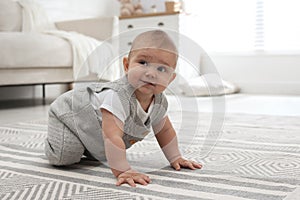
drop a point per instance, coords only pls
(130, 27)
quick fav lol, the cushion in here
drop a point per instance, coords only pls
(19, 50)
(205, 85)
(10, 16)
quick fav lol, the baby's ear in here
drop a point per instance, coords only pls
(126, 64)
(173, 77)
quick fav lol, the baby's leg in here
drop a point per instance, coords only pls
(62, 146)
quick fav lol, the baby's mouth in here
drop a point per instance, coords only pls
(148, 83)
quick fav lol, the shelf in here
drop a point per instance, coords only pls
(148, 15)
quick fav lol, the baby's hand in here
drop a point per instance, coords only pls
(131, 177)
(180, 162)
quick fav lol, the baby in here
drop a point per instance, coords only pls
(102, 120)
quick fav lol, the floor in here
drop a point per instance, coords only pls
(243, 103)
(26, 110)
(23, 110)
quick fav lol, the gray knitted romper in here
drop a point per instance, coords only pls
(75, 129)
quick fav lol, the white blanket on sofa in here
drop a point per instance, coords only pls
(36, 20)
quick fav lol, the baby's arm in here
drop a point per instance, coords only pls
(115, 151)
(167, 139)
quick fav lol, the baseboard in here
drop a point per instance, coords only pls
(31, 92)
(272, 88)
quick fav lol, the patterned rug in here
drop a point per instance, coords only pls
(255, 157)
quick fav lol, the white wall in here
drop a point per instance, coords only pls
(267, 74)
(261, 74)
(58, 10)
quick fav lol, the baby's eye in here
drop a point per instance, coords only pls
(142, 62)
(162, 69)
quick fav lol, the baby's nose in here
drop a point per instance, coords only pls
(151, 72)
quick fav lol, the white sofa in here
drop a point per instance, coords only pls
(29, 58)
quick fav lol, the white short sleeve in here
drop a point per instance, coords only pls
(109, 100)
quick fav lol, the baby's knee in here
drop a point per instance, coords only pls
(59, 162)
(54, 157)
(55, 161)
(58, 157)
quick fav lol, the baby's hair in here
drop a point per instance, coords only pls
(155, 39)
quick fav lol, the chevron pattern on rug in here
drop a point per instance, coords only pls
(256, 157)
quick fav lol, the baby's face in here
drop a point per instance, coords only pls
(150, 70)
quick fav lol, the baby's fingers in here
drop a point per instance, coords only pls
(120, 181)
(197, 165)
(188, 164)
(146, 178)
(141, 180)
(176, 166)
(130, 182)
